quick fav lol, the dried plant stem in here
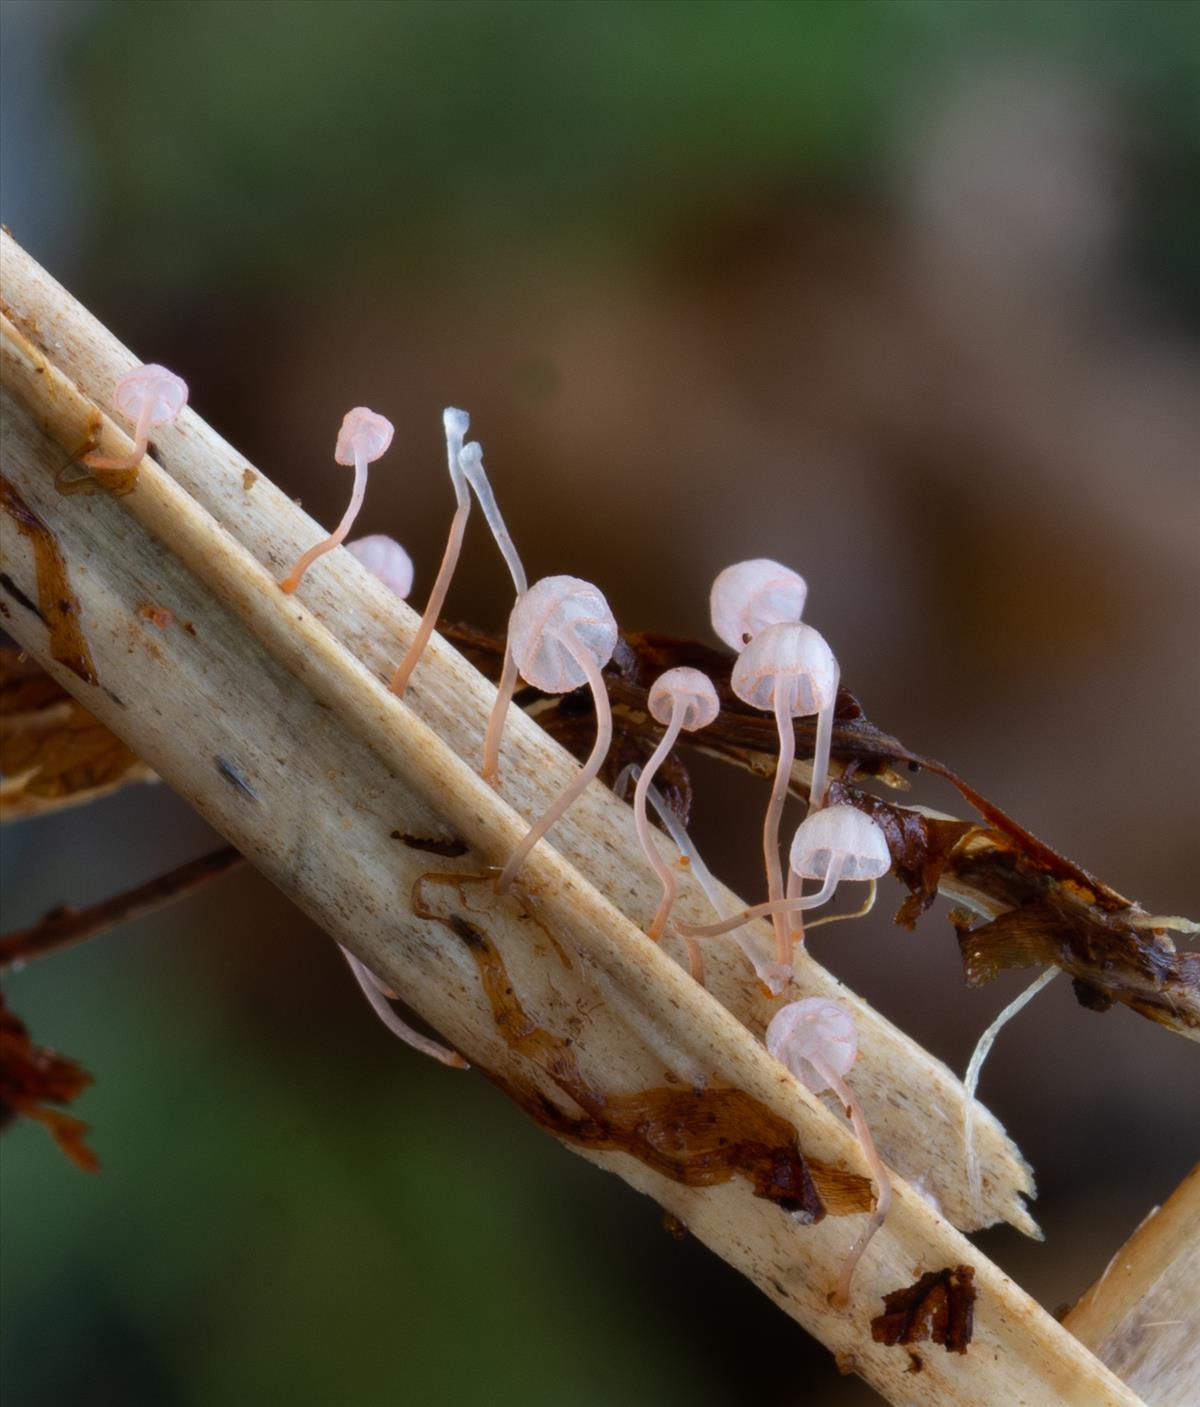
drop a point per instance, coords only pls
(273, 718)
(65, 927)
(1142, 1317)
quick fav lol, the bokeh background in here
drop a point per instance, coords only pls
(904, 294)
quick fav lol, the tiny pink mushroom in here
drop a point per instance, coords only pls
(362, 439)
(561, 634)
(680, 699)
(384, 558)
(749, 596)
(816, 1040)
(149, 396)
(836, 844)
(789, 670)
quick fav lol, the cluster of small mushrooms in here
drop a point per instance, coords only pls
(561, 635)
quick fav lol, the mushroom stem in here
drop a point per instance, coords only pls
(779, 790)
(795, 890)
(141, 441)
(595, 680)
(490, 768)
(883, 1202)
(371, 990)
(337, 536)
(664, 871)
(437, 597)
(820, 763)
(975, 1069)
(772, 907)
(861, 912)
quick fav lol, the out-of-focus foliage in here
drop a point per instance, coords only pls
(246, 138)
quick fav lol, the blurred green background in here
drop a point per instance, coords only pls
(904, 294)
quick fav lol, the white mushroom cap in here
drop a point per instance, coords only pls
(749, 596)
(844, 832)
(150, 387)
(689, 684)
(813, 1029)
(792, 656)
(539, 621)
(385, 558)
(364, 430)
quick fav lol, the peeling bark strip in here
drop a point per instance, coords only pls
(940, 1306)
(1064, 914)
(57, 603)
(699, 1137)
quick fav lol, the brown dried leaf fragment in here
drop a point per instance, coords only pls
(57, 604)
(57, 756)
(939, 1307)
(1143, 971)
(31, 1077)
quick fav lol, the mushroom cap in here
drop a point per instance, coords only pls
(150, 386)
(749, 596)
(813, 1029)
(540, 621)
(790, 655)
(365, 431)
(689, 684)
(385, 558)
(844, 831)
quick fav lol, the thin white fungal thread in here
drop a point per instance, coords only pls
(975, 1069)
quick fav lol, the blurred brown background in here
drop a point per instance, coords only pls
(904, 295)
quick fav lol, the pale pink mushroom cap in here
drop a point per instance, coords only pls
(813, 1029)
(702, 704)
(385, 558)
(841, 832)
(791, 655)
(749, 596)
(150, 388)
(537, 625)
(365, 431)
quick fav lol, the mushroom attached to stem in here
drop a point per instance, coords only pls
(681, 699)
(834, 844)
(561, 634)
(363, 438)
(789, 670)
(465, 463)
(816, 1040)
(749, 596)
(148, 395)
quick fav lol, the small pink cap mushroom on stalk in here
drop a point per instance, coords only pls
(749, 596)
(363, 438)
(816, 1040)
(384, 558)
(680, 698)
(834, 844)
(149, 396)
(562, 634)
(466, 473)
(789, 670)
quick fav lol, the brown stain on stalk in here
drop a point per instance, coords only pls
(697, 1137)
(57, 603)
